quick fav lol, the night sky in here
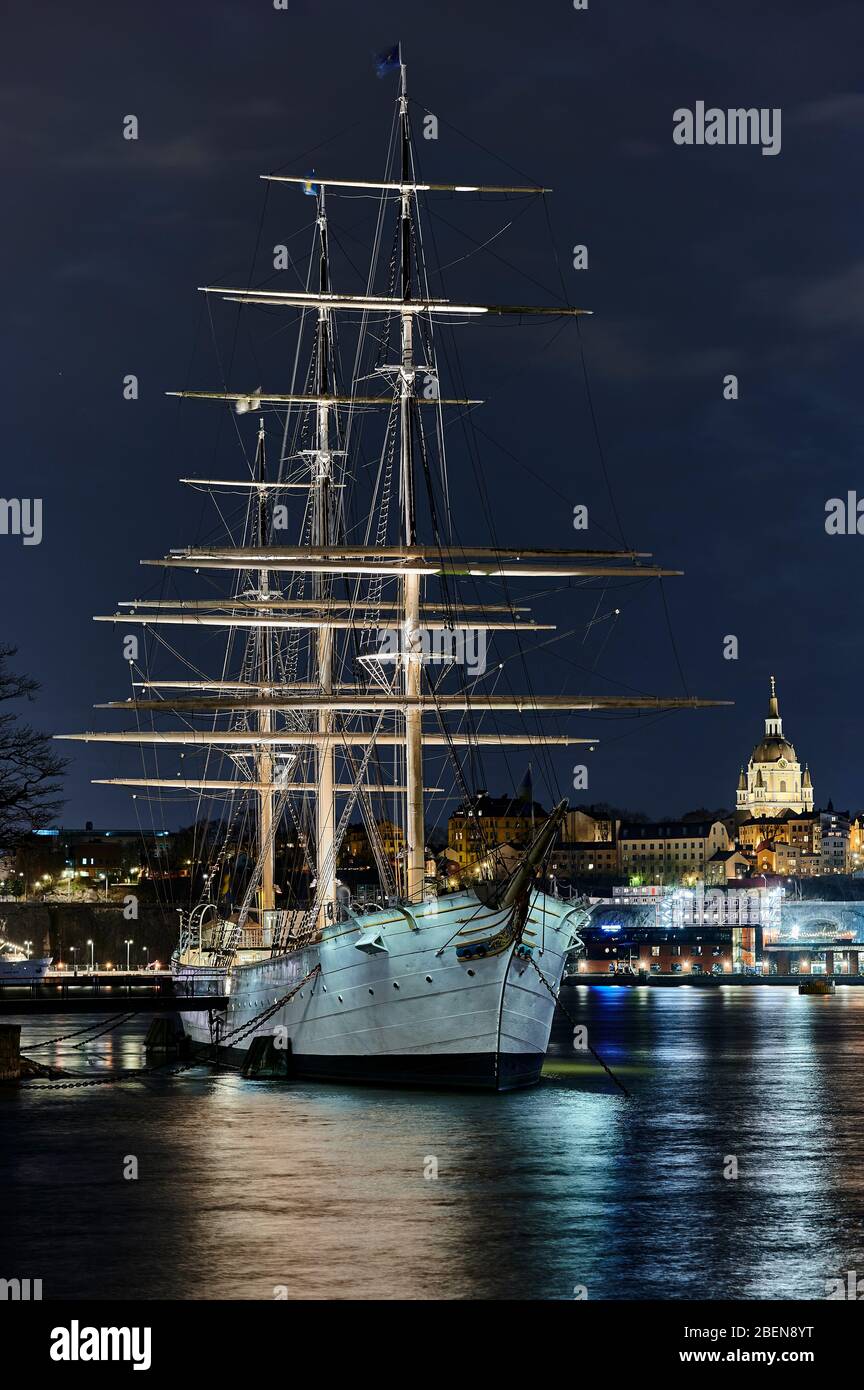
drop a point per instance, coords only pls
(702, 262)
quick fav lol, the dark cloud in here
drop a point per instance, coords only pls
(841, 109)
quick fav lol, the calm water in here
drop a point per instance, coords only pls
(245, 1186)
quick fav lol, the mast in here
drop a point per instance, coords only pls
(320, 714)
(415, 833)
(322, 536)
(264, 754)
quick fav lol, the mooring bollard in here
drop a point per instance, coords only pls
(10, 1051)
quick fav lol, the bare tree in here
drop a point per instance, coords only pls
(29, 767)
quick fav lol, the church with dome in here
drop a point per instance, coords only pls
(774, 781)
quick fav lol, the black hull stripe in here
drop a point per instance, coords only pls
(477, 1071)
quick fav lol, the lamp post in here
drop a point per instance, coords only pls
(146, 957)
(92, 967)
(128, 944)
(27, 945)
(72, 950)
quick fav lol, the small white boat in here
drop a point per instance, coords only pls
(16, 967)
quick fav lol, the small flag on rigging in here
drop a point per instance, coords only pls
(389, 61)
(310, 188)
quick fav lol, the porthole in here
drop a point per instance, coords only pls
(339, 997)
(471, 973)
(428, 979)
(395, 985)
(371, 991)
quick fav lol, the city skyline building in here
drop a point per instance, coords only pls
(774, 781)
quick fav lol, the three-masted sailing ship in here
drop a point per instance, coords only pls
(424, 982)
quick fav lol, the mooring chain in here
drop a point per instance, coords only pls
(238, 1033)
(138, 1074)
(565, 1010)
(31, 1047)
(84, 1081)
(85, 1042)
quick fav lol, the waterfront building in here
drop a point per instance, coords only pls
(626, 950)
(658, 930)
(775, 857)
(731, 907)
(774, 781)
(669, 852)
(584, 859)
(725, 866)
(817, 936)
(589, 827)
(799, 833)
(500, 862)
(802, 845)
(90, 856)
(477, 826)
(588, 847)
(634, 894)
(835, 836)
(357, 851)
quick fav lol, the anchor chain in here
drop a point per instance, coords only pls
(594, 1053)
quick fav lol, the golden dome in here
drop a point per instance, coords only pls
(772, 748)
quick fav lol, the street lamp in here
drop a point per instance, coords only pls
(72, 950)
(92, 967)
(146, 950)
(128, 943)
(27, 945)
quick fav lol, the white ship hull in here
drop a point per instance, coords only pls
(393, 1002)
(23, 971)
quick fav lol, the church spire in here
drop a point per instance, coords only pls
(775, 782)
(773, 724)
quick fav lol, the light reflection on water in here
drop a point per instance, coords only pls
(247, 1186)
